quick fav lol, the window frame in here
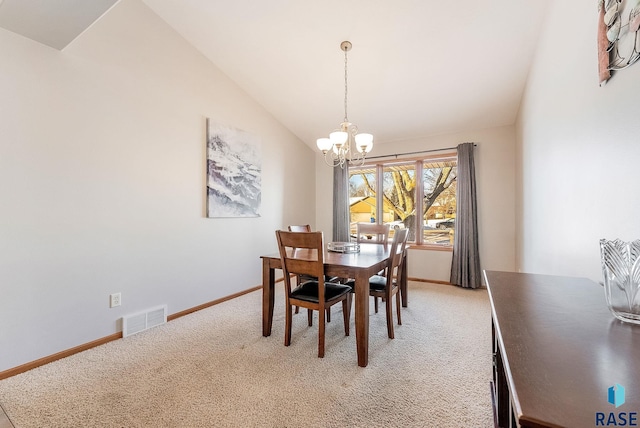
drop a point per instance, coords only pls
(418, 164)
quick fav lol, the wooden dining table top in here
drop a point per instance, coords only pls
(369, 254)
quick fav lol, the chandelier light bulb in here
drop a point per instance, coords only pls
(364, 142)
(324, 144)
(338, 137)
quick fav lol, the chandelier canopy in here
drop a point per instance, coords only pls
(337, 149)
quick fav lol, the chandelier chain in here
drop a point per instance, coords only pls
(345, 86)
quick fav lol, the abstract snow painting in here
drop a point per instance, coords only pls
(233, 172)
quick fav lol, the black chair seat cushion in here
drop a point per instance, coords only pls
(376, 282)
(309, 291)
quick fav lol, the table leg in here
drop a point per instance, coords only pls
(362, 317)
(268, 294)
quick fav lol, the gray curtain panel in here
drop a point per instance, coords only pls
(340, 204)
(465, 265)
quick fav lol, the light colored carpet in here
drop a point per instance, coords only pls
(213, 368)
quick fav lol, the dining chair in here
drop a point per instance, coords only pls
(372, 233)
(302, 278)
(388, 285)
(302, 253)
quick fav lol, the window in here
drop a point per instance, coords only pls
(398, 186)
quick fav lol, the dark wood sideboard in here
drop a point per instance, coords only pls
(557, 350)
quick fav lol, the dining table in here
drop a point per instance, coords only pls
(360, 266)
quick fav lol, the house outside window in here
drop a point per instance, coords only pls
(398, 205)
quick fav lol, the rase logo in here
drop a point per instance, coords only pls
(615, 397)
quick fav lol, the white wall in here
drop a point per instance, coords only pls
(102, 172)
(495, 175)
(578, 151)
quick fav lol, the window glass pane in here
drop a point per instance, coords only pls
(362, 196)
(399, 189)
(439, 181)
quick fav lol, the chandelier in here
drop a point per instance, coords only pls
(337, 149)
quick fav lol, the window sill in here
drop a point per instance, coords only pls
(414, 246)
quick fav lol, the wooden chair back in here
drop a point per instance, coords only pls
(301, 254)
(398, 247)
(302, 278)
(372, 232)
(300, 228)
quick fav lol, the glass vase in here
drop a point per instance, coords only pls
(621, 272)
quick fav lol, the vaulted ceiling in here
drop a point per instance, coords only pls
(417, 67)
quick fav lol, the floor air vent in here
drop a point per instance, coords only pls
(132, 324)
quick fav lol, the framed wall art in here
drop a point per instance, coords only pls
(618, 36)
(234, 167)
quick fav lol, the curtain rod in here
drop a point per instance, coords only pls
(415, 153)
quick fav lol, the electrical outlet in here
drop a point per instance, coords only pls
(115, 300)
